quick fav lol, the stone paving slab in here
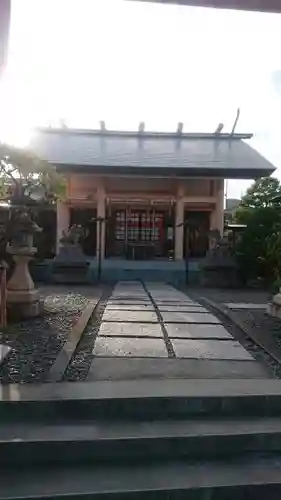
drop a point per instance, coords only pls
(197, 331)
(131, 316)
(170, 368)
(130, 297)
(126, 296)
(245, 305)
(170, 302)
(210, 349)
(128, 347)
(131, 329)
(130, 307)
(167, 295)
(180, 308)
(180, 317)
(127, 291)
(131, 301)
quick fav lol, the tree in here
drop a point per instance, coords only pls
(26, 183)
(260, 211)
(262, 193)
(25, 178)
(252, 249)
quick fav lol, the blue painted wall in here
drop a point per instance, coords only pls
(125, 270)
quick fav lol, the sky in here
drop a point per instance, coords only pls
(82, 61)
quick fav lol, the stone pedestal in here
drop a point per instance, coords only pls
(274, 308)
(70, 265)
(22, 298)
(219, 269)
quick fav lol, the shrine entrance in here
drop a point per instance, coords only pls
(139, 234)
(196, 228)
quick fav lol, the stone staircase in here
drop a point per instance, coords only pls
(149, 439)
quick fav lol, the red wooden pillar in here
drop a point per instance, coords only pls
(5, 13)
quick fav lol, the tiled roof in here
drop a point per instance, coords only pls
(158, 152)
(260, 5)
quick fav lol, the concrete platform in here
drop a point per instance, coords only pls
(145, 368)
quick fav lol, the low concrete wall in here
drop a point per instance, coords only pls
(127, 270)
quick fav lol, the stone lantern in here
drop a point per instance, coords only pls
(22, 297)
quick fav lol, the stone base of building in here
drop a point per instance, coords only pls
(72, 273)
(274, 308)
(113, 270)
(150, 270)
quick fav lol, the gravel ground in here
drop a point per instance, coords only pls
(265, 325)
(36, 343)
(81, 361)
(236, 295)
(251, 319)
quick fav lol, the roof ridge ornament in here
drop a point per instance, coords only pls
(180, 128)
(141, 128)
(219, 128)
(102, 126)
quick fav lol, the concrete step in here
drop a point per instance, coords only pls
(175, 480)
(142, 400)
(113, 441)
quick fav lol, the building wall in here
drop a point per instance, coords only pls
(92, 191)
(83, 187)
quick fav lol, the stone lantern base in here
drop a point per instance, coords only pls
(22, 298)
(274, 308)
(23, 304)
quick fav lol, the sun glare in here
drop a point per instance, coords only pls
(16, 135)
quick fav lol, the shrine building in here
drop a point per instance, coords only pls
(147, 199)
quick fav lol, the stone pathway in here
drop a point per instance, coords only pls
(156, 330)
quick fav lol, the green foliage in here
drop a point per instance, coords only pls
(252, 248)
(273, 255)
(23, 174)
(262, 193)
(26, 183)
(259, 247)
